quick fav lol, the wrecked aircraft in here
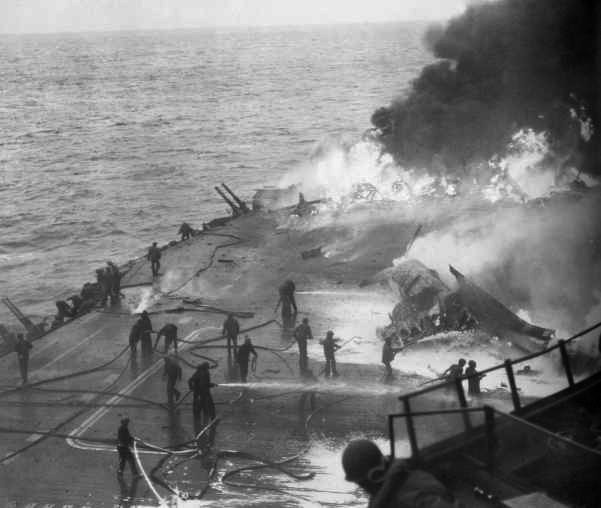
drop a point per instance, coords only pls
(428, 306)
(497, 319)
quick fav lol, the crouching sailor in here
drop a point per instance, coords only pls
(169, 331)
(185, 230)
(390, 483)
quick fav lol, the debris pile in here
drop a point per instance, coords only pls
(427, 306)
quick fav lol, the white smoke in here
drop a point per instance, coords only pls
(532, 256)
(538, 258)
(142, 300)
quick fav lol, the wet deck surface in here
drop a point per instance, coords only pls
(238, 267)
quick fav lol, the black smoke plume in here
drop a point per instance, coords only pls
(504, 65)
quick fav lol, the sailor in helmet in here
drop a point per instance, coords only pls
(391, 483)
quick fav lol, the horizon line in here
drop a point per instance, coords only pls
(225, 27)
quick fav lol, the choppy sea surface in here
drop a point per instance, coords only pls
(108, 141)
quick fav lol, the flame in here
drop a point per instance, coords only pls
(346, 174)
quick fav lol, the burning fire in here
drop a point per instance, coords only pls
(362, 172)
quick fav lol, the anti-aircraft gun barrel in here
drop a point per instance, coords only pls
(235, 210)
(241, 204)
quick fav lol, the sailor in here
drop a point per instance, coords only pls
(114, 276)
(169, 331)
(302, 334)
(455, 371)
(287, 300)
(289, 289)
(102, 279)
(90, 291)
(329, 348)
(390, 483)
(22, 348)
(86, 306)
(134, 336)
(64, 311)
(145, 329)
(154, 256)
(244, 353)
(57, 321)
(173, 372)
(124, 443)
(388, 354)
(110, 282)
(185, 230)
(473, 378)
(230, 330)
(200, 385)
(76, 304)
(302, 207)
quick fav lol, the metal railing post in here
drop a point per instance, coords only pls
(515, 397)
(410, 429)
(489, 421)
(463, 403)
(565, 360)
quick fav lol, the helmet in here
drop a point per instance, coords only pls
(359, 457)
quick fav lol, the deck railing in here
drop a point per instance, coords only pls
(511, 447)
(520, 452)
(458, 418)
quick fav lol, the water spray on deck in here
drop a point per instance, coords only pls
(325, 387)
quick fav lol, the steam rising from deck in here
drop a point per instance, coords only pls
(517, 228)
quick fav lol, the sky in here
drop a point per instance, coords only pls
(42, 16)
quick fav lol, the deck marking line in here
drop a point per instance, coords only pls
(70, 350)
(56, 339)
(34, 437)
(99, 413)
(8, 461)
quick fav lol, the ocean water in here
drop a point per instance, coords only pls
(108, 141)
